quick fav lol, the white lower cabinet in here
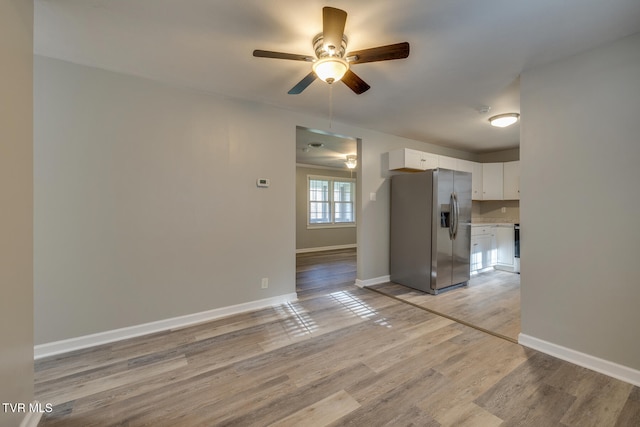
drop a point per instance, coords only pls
(505, 247)
(483, 247)
(492, 245)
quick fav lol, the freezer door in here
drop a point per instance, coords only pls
(462, 241)
(410, 238)
(442, 248)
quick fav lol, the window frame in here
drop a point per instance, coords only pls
(331, 201)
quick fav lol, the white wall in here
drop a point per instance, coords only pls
(146, 206)
(16, 206)
(580, 172)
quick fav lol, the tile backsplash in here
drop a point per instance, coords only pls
(490, 211)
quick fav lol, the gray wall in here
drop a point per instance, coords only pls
(321, 237)
(580, 172)
(146, 201)
(16, 206)
(499, 156)
(146, 205)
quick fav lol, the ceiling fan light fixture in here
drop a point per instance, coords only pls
(504, 120)
(352, 161)
(330, 69)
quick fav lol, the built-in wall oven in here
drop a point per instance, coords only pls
(516, 234)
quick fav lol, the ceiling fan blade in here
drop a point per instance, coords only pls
(355, 83)
(303, 84)
(333, 21)
(381, 53)
(281, 55)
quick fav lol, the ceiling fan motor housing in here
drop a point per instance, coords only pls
(323, 51)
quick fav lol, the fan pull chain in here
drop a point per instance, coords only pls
(330, 105)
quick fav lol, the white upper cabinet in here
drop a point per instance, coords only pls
(476, 181)
(511, 185)
(447, 163)
(464, 165)
(492, 181)
(476, 176)
(412, 160)
(489, 181)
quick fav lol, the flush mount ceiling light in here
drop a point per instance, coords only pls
(504, 120)
(330, 69)
(352, 161)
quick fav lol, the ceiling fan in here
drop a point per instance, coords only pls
(331, 63)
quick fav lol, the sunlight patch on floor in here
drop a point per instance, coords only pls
(358, 307)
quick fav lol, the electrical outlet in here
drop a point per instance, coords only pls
(265, 282)
(504, 210)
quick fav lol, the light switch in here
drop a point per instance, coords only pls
(372, 197)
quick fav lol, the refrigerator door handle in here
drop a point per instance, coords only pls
(456, 215)
(452, 216)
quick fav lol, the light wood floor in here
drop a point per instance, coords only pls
(491, 302)
(340, 355)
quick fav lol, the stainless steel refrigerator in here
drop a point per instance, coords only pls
(430, 229)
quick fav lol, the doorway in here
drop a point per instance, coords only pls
(326, 181)
(319, 273)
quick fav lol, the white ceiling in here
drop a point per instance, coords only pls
(464, 53)
(333, 152)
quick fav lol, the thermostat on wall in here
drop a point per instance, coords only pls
(262, 182)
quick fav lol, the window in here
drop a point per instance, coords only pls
(331, 201)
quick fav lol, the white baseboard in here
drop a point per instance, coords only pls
(370, 282)
(86, 341)
(605, 367)
(504, 267)
(33, 418)
(326, 248)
